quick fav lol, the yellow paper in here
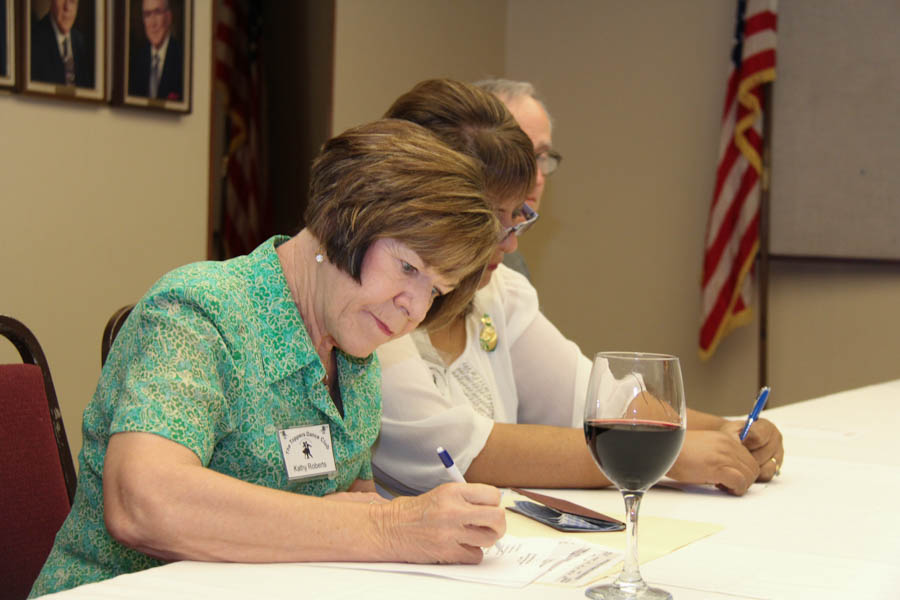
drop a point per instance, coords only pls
(657, 536)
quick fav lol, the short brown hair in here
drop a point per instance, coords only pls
(394, 179)
(476, 123)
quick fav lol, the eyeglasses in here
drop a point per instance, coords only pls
(519, 228)
(548, 161)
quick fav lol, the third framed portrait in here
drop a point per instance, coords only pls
(64, 48)
(153, 54)
(7, 43)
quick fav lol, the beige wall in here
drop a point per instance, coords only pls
(97, 203)
(383, 48)
(833, 326)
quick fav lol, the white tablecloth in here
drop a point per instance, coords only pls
(827, 528)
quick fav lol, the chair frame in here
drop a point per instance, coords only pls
(30, 351)
(112, 330)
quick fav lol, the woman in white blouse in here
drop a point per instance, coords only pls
(501, 388)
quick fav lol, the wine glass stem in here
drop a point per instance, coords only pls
(631, 574)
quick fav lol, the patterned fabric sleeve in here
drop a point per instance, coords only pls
(173, 386)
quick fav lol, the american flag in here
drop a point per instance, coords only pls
(244, 211)
(732, 231)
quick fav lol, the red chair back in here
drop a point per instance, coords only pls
(37, 476)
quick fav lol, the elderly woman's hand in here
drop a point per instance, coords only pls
(449, 524)
(718, 458)
(765, 444)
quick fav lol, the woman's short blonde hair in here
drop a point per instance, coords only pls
(477, 123)
(395, 179)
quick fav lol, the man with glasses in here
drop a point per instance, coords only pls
(531, 114)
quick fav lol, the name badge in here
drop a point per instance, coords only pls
(307, 451)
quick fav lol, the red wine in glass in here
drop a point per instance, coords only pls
(633, 454)
(634, 422)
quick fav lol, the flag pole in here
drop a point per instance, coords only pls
(764, 235)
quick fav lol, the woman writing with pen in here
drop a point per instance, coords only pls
(500, 387)
(235, 414)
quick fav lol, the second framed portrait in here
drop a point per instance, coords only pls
(64, 48)
(153, 54)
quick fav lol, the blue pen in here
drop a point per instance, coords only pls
(451, 467)
(757, 408)
(455, 475)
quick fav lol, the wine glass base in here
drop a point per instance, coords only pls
(614, 591)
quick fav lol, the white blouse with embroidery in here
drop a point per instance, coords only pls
(534, 375)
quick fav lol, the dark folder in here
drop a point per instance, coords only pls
(563, 515)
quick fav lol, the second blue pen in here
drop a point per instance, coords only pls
(760, 403)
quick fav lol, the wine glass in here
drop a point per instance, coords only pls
(634, 422)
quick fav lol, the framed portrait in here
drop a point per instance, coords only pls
(153, 54)
(64, 48)
(8, 21)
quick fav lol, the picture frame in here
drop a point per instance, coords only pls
(8, 46)
(49, 29)
(154, 54)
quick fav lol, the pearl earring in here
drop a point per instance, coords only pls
(319, 258)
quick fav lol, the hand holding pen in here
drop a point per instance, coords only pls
(760, 403)
(457, 476)
(768, 447)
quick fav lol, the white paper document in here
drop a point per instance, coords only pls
(522, 561)
(579, 563)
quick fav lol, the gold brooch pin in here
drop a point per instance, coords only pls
(488, 336)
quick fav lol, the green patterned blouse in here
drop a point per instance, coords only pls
(215, 357)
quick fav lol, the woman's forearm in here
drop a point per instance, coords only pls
(702, 420)
(161, 501)
(521, 455)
